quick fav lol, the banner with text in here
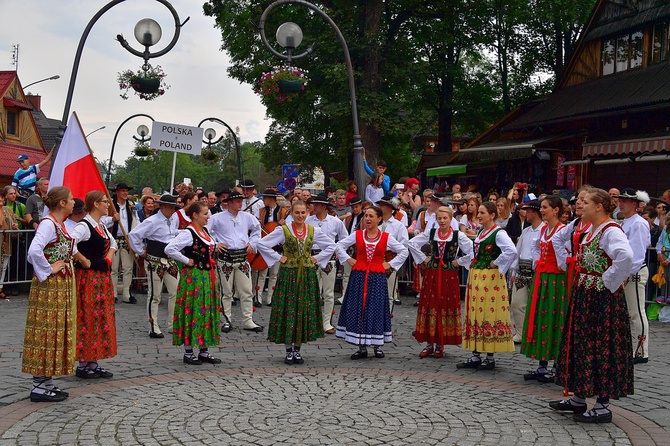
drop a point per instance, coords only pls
(176, 138)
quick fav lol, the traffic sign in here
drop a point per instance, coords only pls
(290, 170)
(280, 187)
(290, 183)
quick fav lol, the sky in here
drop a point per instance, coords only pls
(48, 32)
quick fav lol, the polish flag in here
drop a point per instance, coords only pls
(74, 166)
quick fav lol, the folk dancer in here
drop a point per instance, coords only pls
(523, 268)
(236, 234)
(296, 317)
(438, 320)
(151, 237)
(595, 356)
(365, 317)
(124, 220)
(49, 344)
(639, 237)
(392, 225)
(96, 322)
(333, 228)
(351, 223)
(270, 217)
(196, 321)
(251, 203)
(547, 301)
(487, 321)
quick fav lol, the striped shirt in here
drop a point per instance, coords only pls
(26, 178)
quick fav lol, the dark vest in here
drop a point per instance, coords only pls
(95, 249)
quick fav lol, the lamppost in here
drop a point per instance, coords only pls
(147, 32)
(210, 134)
(52, 78)
(96, 130)
(289, 36)
(142, 130)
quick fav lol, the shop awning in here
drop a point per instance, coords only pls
(628, 146)
(443, 171)
(501, 150)
(9, 102)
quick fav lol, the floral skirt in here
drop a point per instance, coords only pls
(296, 314)
(438, 320)
(487, 326)
(196, 310)
(49, 344)
(596, 354)
(369, 322)
(550, 310)
(96, 324)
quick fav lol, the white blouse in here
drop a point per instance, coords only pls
(82, 233)
(392, 245)
(464, 245)
(45, 234)
(276, 237)
(182, 240)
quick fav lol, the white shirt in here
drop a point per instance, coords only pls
(255, 207)
(44, 234)
(391, 245)
(82, 233)
(616, 246)
(333, 227)
(464, 245)
(181, 241)
(396, 229)
(528, 245)
(373, 194)
(156, 227)
(277, 237)
(235, 232)
(639, 237)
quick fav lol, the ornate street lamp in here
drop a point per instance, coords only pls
(147, 32)
(210, 134)
(289, 36)
(52, 78)
(142, 130)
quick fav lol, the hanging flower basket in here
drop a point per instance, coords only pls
(143, 151)
(282, 84)
(209, 155)
(148, 82)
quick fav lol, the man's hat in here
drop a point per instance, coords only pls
(533, 205)
(437, 196)
(122, 186)
(225, 190)
(633, 194)
(573, 200)
(321, 199)
(22, 157)
(233, 196)
(271, 193)
(168, 200)
(389, 200)
(457, 202)
(78, 206)
(248, 184)
(355, 201)
(659, 201)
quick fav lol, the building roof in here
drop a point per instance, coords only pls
(46, 127)
(621, 91)
(629, 22)
(10, 152)
(6, 78)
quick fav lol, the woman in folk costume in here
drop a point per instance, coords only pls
(547, 300)
(49, 345)
(196, 312)
(296, 314)
(438, 320)
(96, 324)
(595, 356)
(365, 317)
(487, 319)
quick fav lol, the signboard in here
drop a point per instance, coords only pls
(289, 183)
(560, 170)
(290, 170)
(176, 138)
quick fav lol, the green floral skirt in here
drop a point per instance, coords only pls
(196, 310)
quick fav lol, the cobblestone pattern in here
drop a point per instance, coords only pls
(397, 400)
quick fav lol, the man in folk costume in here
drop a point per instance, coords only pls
(236, 234)
(151, 237)
(251, 204)
(524, 266)
(333, 228)
(639, 237)
(126, 219)
(392, 225)
(351, 223)
(270, 216)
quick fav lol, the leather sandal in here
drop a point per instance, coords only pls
(192, 360)
(567, 406)
(379, 353)
(469, 364)
(591, 416)
(439, 352)
(426, 352)
(47, 397)
(226, 327)
(209, 359)
(360, 354)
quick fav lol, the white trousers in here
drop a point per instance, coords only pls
(518, 305)
(154, 273)
(258, 279)
(639, 325)
(123, 258)
(392, 287)
(346, 272)
(236, 277)
(327, 286)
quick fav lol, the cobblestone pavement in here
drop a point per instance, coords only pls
(254, 398)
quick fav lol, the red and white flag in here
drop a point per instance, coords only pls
(74, 166)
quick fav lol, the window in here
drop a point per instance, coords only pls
(11, 123)
(622, 53)
(659, 43)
